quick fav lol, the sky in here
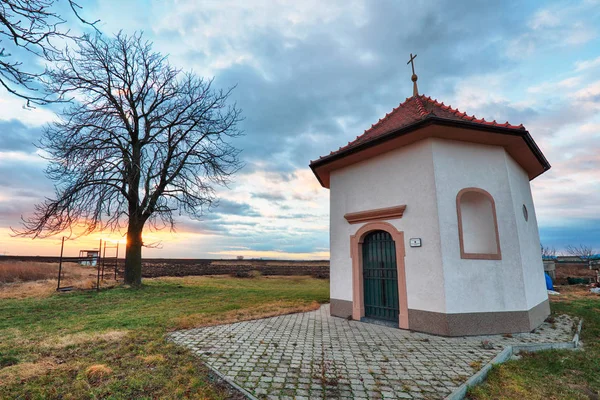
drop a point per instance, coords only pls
(312, 75)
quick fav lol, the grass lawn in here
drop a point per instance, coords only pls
(88, 345)
(561, 374)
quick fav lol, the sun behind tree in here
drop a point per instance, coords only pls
(140, 140)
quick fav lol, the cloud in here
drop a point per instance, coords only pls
(13, 108)
(544, 19)
(273, 197)
(559, 86)
(22, 179)
(312, 75)
(587, 64)
(556, 26)
(16, 136)
(309, 78)
(589, 95)
(229, 207)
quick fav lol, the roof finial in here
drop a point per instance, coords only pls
(414, 76)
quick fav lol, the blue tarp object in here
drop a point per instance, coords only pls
(549, 284)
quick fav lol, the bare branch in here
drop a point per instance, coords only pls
(547, 252)
(154, 245)
(582, 251)
(142, 141)
(31, 28)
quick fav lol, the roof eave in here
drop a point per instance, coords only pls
(369, 143)
(432, 119)
(313, 168)
(522, 132)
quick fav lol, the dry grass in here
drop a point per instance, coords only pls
(21, 271)
(152, 359)
(572, 292)
(48, 345)
(266, 310)
(476, 365)
(97, 373)
(28, 370)
(19, 280)
(553, 374)
(574, 270)
(250, 263)
(37, 289)
(222, 281)
(77, 339)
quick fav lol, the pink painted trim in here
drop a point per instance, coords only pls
(356, 241)
(477, 256)
(376, 214)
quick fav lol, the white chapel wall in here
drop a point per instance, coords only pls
(474, 285)
(402, 176)
(529, 237)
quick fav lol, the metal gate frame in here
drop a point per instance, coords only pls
(380, 277)
(356, 241)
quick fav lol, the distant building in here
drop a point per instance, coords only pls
(432, 223)
(569, 259)
(89, 257)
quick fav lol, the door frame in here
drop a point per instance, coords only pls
(356, 242)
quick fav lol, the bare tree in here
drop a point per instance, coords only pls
(32, 26)
(582, 251)
(143, 140)
(547, 252)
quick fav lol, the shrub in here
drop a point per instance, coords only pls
(255, 274)
(578, 281)
(246, 274)
(240, 273)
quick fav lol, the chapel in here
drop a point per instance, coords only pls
(432, 223)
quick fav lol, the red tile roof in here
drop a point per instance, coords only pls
(413, 110)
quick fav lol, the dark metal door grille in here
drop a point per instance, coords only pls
(380, 276)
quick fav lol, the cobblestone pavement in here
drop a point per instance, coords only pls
(313, 355)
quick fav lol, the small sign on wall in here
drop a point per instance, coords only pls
(415, 242)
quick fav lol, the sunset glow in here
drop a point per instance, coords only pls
(311, 76)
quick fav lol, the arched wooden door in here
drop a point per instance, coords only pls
(380, 276)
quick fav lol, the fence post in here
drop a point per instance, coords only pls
(103, 255)
(62, 246)
(117, 261)
(98, 266)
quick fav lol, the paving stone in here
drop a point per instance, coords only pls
(313, 355)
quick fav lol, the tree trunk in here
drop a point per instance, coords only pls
(133, 255)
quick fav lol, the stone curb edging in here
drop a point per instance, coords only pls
(230, 382)
(507, 353)
(219, 375)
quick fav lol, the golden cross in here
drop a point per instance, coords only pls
(414, 76)
(411, 62)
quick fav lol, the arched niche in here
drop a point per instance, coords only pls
(477, 225)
